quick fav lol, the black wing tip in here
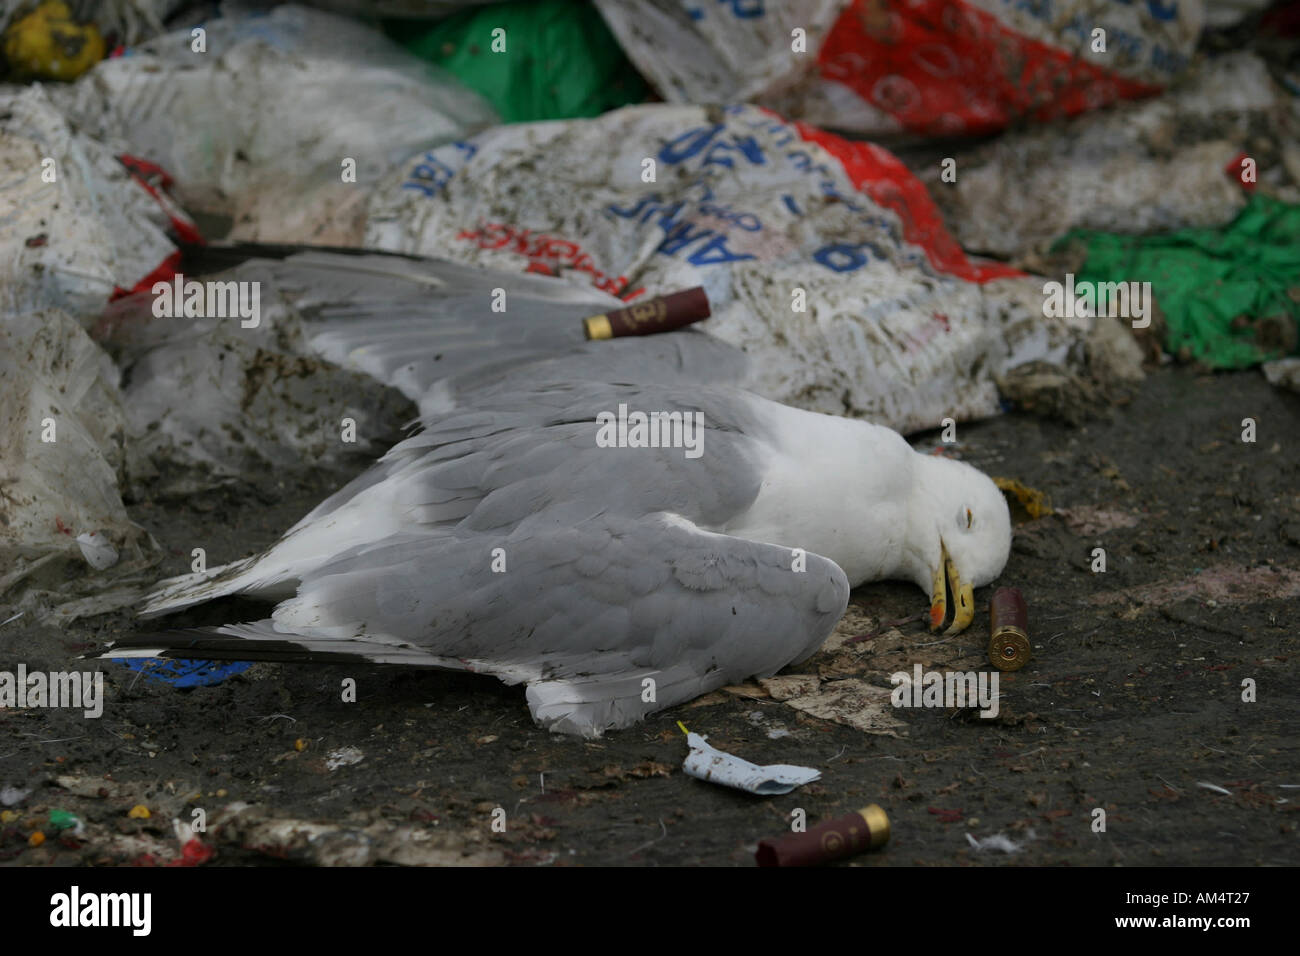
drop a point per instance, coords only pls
(204, 644)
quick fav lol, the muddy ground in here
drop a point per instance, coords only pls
(1133, 698)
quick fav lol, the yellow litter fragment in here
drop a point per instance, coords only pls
(36, 839)
(139, 812)
(300, 744)
(1035, 502)
(48, 44)
(8, 816)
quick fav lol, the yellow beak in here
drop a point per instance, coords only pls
(963, 594)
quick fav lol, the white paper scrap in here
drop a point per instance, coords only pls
(97, 550)
(709, 763)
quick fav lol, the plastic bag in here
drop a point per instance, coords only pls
(61, 448)
(269, 124)
(925, 67)
(554, 59)
(79, 227)
(824, 259)
(1165, 163)
(1230, 296)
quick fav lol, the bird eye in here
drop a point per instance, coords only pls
(970, 519)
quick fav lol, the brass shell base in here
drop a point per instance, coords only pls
(877, 824)
(1009, 648)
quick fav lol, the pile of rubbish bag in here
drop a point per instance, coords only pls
(922, 68)
(874, 194)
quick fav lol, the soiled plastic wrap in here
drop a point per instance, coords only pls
(1284, 373)
(825, 260)
(258, 127)
(77, 227)
(209, 402)
(1152, 166)
(920, 67)
(716, 766)
(61, 449)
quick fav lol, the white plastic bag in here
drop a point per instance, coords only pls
(926, 67)
(61, 435)
(825, 260)
(1154, 166)
(78, 227)
(283, 121)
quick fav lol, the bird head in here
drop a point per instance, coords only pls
(961, 536)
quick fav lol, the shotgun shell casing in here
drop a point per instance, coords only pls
(660, 314)
(1009, 643)
(827, 842)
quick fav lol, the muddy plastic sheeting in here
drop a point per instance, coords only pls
(1153, 166)
(920, 67)
(285, 121)
(78, 226)
(62, 428)
(825, 260)
(211, 402)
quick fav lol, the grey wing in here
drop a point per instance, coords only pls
(412, 322)
(429, 328)
(684, 357)
(407, 322)
(606, 620)
(511, 459)
(505, 540)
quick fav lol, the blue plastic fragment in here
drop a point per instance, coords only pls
(183, 673)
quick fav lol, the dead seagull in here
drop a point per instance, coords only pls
(619, 549)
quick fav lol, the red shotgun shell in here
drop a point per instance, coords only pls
(827, 842)
(660, 314)
(1009, 643)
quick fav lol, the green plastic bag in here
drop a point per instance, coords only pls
(1230, 295)
(560, 60)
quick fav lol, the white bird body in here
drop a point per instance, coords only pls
(812, 493)
(505, 539)
(637, 561)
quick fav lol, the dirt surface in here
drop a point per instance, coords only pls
(1133, 698)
